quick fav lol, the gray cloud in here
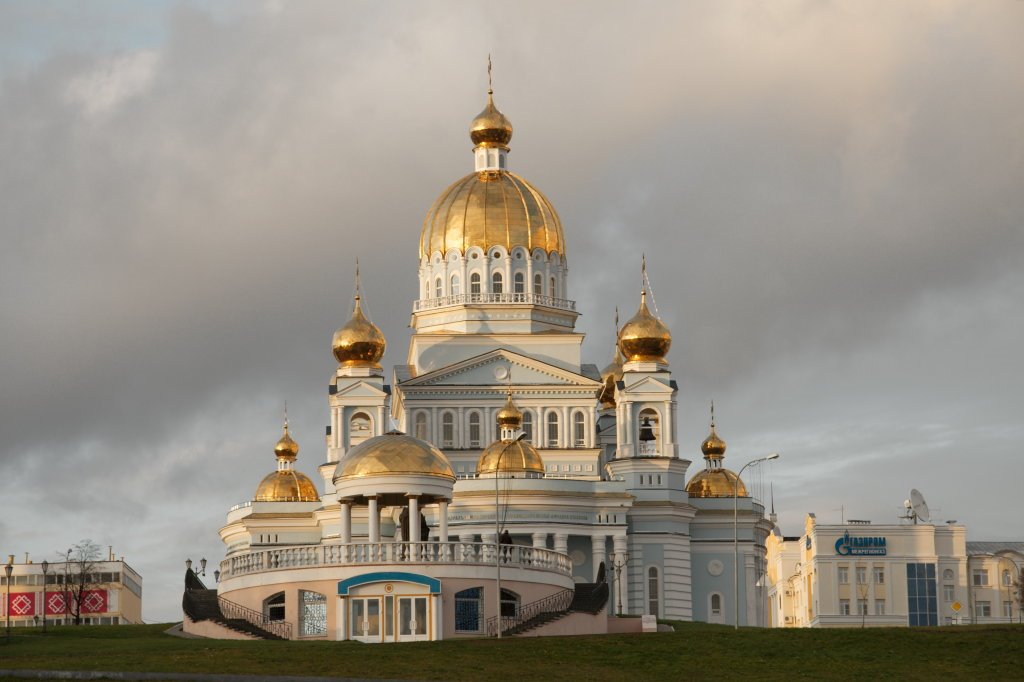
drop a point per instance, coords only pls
(828, 196)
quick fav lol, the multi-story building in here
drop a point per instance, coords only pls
(507, 426)
(858, 573)
(112, 595)
(994, 582)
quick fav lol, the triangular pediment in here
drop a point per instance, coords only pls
(488, 369)
(645, 384)
(361, 389)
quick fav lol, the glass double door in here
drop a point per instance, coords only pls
(376, 619)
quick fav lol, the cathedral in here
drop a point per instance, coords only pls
(497, 484)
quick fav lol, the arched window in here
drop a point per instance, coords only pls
(273, 606)
(474, 429)
(649, 432)
(448, 430)
(359, 428)
(437, 288)
(653, 594)
(1007, 581)
(496, 283)
(509, 603)
(528, 426)
(579, 430)
(312, 614)
(552, 429)
(553, 293)
(947, 574)
(469, 610)
(518, 286)
(421, 426)
(455, 285)
(715, 615)
(474, 283)
(538, 284)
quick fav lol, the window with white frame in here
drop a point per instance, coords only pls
(496, 283)
(528, 426)
(538, 285)
(862, 575)
(552, 430)
(862, 607)
(1007, 609)
(984, 609)
(554, 292)
(1007, 580)
(979, 577)
(312, 614)
(879, 607)
(474, 283)
(653, 593)
(716, 604)
(420, 426)
(579, 430)
(455, 285)
(437, 288)
(474, 429)
(843, 573)
(518, 284)
(844, 607)
(947, 574)
(878, 575)
(948, 593)
(448, 430)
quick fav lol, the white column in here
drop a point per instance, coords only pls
(442, 514)
(621, 548)
(346, 521)
(373, 518)
(436, 604)
(566, 436)
(562, 543)
(341, 619)
(336, 427)
(597, 552)
(381, 426)
(508, 274)
(540, 540)
(414, 519)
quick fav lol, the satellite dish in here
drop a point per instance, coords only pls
(919, 506)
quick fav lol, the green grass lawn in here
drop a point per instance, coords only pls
(693, 651)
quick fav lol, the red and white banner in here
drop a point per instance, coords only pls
(94, 601)
(54, 603)
(22, 604)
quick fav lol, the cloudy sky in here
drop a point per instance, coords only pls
(829, 196)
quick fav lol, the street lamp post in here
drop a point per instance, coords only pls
(735, 532)
(618, 563)
(202, 564)
(8, 569)
(497, 532)
(1008, 583)
(46, 568)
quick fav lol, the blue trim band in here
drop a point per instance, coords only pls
(433, 584)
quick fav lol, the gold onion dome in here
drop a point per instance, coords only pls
(490, 128)
(286, 484)
(393, 453)
(509, 416)
(645, 338)
(359, 343)
(510, 457)
(286, 448)
(610, 376)
(713, 447)
(491, 208)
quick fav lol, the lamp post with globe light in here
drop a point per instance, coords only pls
(735, 531)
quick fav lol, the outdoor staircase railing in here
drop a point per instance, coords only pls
(555, 604)
(231, 610)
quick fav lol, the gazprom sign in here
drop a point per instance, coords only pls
(862, 546)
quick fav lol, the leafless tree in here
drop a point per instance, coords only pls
(79, 576)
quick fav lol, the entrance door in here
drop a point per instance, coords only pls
(412, 619)
(365, 625)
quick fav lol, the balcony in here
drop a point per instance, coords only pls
(470, 299)
(396, 553)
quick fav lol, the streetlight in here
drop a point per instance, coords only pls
(617, 566)
(1007, 583)
(497, 531)
(202, 565)
(46, 567)
(735, 531)
(8, 569)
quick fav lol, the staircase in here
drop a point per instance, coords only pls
(200, 604)
(586, 598)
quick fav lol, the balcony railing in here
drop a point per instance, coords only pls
(407, 553)
(466, 299)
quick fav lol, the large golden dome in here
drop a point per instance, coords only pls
(359, 342)
(491, 208)
(286, 486)
(393, 453)
(645, 338)
(490, 128)
(715, 483)
(510, 456)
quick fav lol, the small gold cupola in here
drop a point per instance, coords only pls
(359, 342)
(611, 374)
(509, 417)
(715, 480)
(286, 484)
(645, 338)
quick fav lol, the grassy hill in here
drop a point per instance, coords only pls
(693, 651)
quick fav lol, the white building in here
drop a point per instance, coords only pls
(995, 582)
(597, 477)
(859, 573)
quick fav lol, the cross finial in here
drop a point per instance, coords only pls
(286, 415)
(712, 414)
(490, 84)
(616, 321)
(358, 296)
